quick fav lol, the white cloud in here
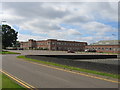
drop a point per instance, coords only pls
(98, 28)
(92, 39)
(23, 37)
(64, 34)
(45, 18)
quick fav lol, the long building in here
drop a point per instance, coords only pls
(54, 44)
(112, 46)
(104, 48)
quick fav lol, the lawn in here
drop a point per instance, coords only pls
(71, 68)
(100, 53)
(8, 52)
(8, 82)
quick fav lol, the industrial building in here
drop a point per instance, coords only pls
(54, 44)
(112, 46)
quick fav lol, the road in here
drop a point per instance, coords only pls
(41, 76)
(46, 52)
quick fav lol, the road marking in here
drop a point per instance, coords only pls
(78, 73)
(100, 78)
(19, 80)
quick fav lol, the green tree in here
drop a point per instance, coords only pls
(9, 36)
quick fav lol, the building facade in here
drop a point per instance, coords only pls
(104, 48)
(112, 46)
(53, 44)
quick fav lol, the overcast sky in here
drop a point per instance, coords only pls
(80, 21)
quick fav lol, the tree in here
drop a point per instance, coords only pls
(9, 36)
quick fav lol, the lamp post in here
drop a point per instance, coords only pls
(114, 41)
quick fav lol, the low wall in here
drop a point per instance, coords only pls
(81, 56)
(70, 60)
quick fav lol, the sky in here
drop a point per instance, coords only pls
(73, 21)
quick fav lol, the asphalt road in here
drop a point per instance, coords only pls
(46, 52)
(44, 77)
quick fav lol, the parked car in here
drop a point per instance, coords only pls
(70, 51)
(20, 49)
(90, 50)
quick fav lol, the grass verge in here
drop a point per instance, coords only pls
(100, 53)
(8, 52)
(8, 82)
(71, 68)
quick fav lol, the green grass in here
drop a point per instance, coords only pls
(71, 68)
(109, 53)
(100, 52)
(8, 52)
(8, 82)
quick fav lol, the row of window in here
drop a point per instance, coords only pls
(65, 43)
(58, 43)
(42, 43)
(25, 44)
(107, 49)
(69, 48)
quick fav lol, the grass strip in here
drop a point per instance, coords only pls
(101, 53)
(8, 52)
(72, 68)
(9, 83)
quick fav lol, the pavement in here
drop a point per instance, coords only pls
(43, 76)
(46, 52)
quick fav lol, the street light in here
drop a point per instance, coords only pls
(114, 41)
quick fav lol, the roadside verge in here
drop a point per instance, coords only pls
(9, 82)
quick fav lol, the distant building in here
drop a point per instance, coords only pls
(112, 46)
(53, 44)
(107, 42)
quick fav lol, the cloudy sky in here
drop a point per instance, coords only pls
(78, 21)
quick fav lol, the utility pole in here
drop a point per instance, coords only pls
(114, 42)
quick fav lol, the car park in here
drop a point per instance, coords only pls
(90, 50)
(70, 51)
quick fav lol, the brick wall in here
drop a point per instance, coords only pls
(53, 44)
(104, 48)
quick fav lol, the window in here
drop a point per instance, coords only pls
(53, 43)
(106, 48)
(118, 49)
(110, 48)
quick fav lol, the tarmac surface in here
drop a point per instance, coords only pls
(46, 52)
(41, 76)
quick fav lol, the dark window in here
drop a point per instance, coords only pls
(98, 48)
(110, 48)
